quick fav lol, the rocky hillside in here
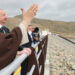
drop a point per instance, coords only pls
(66, 29)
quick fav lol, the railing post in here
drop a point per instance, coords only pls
(43, 55)
(33, 61)
(41, 62)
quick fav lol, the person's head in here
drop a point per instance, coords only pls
(36, 29)
(30, 28)
(3, 17)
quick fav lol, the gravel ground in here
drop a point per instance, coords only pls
(61, 56)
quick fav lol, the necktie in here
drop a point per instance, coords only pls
(2, 30)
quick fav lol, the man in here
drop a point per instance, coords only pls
(36, 36)
(4, 29)
(24, 64)
(30, 29)
(10, 42)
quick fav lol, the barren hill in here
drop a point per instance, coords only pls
(66, 29)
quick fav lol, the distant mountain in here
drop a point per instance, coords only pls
(66, 29)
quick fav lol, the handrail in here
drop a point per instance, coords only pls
(40, 68)
(31, 71)
(34, 45)
(38, 55)
(66, 39)
(11, 67)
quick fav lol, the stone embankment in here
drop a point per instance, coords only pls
(60, 56)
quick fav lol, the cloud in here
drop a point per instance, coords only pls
(63, 10)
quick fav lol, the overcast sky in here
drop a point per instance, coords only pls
(63, 10)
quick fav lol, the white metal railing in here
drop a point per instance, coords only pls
(13, 66)
(38, 55)
(40, 68)
(34, 45)
(31, 71)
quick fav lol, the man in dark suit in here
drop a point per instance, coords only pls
(36, 36)
(30, 29)
(24, 64)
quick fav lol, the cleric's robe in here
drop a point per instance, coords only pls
(9, 44)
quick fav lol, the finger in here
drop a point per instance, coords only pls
(27, 51)
(35, 8)
(31, 7)
(23, 11)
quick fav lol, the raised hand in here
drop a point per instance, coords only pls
(29, 14)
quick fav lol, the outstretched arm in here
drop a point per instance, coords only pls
(27, 17)
(29, 14)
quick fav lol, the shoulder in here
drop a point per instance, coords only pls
(6, 29)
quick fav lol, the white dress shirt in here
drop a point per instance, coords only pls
(30, 33)
(0, 26)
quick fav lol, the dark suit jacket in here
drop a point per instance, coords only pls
(35, 35)
(26, 44)
(6, 30)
